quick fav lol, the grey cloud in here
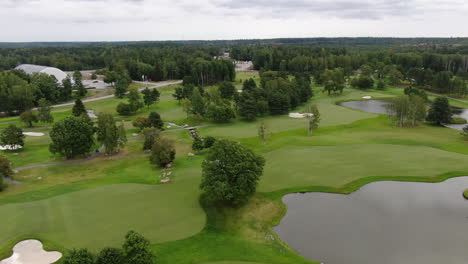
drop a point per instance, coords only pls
(360, 9)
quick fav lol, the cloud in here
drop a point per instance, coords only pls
(227, 19)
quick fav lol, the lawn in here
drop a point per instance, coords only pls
(95, 203)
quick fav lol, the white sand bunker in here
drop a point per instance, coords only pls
(367, 97)
(299, 115)
(10, 147)
(33, 134)
(31, 252)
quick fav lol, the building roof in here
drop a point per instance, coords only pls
(30, 69)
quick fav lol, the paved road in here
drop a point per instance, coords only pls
(155, 85)
(93, 156)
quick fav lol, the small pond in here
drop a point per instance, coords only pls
(379, 107)
(371, 106)
(384, 222)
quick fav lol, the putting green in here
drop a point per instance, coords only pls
(99, 217)
(334, 166)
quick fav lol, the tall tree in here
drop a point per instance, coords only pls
(231, 172)
(247, 106)
(163, 152)
(121, 87)
(44, 111)
(5, 169)
(71, 137)
(108, 133)
(150, 96)
(134, 99)
(440, 112)
(198, 103)
(79, 87)
(227, 90)
(12, 136)
(79, 108)
(154, 120)
(67, 89)
(136, 249)
(313, 117)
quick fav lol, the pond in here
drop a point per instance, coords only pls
(371, 106)
(384, 222)
(379, 107)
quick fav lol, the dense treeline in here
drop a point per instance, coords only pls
(442, 69)
(155, 63)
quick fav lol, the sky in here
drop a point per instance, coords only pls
(132, 20)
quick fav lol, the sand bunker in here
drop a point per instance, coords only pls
(299, 115)
(31, 252)
(10, 147)
(33, 134)
(367, 97)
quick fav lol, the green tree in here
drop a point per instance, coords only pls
(71, 137)
(249, 85)
(150, 136)
(154, 120)
(12, 136)
(121, 87)
(5, 169)
(141, 122)
(67, 89)
(28, 118)
(313, 118)
(163, 152)
(81, 256)
(124, 109)
(231, 173)
(79, 108)
(122, 135)
(111, 256)
(247, 106)
(136, 249)
(44, 111)
(227, 90)
(407, 110)
(134, 99)
(150, 96)
(108, 133)
(186, 106)
(198, 103)
(440, 112)
(81, 90)
(381, 85)
(220, 111)
(363, 82)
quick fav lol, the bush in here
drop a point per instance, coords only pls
(124, 109)
(458, 120)
(81, 256)
(163, 152)
(209, 142)
(198, 144)
(110, 256)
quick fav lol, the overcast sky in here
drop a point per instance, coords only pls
(114, 20)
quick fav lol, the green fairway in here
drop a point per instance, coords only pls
(331, 115)
(337, 165)
(93, 204)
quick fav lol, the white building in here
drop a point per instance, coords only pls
(30, 69)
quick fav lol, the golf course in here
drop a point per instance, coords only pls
(93, 203)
